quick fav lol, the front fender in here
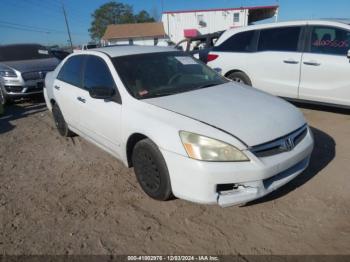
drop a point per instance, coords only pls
(163, 126)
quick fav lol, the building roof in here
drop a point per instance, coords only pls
(274, 7)
(125, 31)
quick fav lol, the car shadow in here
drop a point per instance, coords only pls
(16, 111)
(325, 108)
(324, 152)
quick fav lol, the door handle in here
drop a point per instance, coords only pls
(80, 99)
(57, 87)
(312, 63)
(290, 61)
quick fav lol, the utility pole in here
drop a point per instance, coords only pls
(67, 25)
(277, 11)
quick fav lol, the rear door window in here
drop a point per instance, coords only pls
(71, 70)
(284, 39)
(240, 42)
(329, 40)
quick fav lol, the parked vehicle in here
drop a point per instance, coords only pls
(304, 60)
(22, 70)
(89, 46)
(186, 130)
(199, 46)
(59, 53)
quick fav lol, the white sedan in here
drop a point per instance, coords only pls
(187, 131)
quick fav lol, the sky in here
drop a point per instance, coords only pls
(42, 21)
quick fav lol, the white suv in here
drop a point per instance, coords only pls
(304, 60)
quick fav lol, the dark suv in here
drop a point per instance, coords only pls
(22, 70)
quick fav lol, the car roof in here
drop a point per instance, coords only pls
(339, 20)
(116, 51)
(298, 22)
(21, 45)
(329, 22)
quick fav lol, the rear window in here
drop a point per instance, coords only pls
(279, 39)
(23, 52)
(241, 42)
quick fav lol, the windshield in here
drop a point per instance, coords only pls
(23, 52)
(166, 73)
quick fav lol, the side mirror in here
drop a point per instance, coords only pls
(101, 92)
(348, 55)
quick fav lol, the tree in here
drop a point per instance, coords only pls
(115, 13)
(143, 17)
(109, 13)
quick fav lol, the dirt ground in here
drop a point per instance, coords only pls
(65, 196)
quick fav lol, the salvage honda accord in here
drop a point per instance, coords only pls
(187, 131)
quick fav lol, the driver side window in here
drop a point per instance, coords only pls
(97, 74)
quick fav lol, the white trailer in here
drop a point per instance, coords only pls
(191, 23)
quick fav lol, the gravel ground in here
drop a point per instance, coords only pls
(65, 196)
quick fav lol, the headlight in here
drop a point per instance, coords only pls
(208, 149)
(7, 73)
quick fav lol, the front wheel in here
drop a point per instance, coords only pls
(4, 99)
(240, 77)
(151, 170)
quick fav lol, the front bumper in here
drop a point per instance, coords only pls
(25, 90)
(202, 182)
(17, 87)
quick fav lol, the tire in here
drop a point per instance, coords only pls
(151, 170)
(240, 78)
(60, 123)
(4, 99)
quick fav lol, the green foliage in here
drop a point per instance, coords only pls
(115, 13)
(143, 17)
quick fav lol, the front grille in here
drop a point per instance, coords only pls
(36, 88)
(15, 89)
(34, 75)
(278, 146)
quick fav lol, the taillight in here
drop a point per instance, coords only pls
(212, 57)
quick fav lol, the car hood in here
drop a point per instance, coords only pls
(252, 116)
(47, 64)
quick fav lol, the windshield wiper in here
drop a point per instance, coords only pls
(159, 93)
(154, 95)
(208, 85)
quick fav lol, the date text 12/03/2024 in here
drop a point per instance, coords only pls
(173, 258)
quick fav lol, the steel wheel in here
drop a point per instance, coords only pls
(149, 177)
(240, 78)
(151, 170)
